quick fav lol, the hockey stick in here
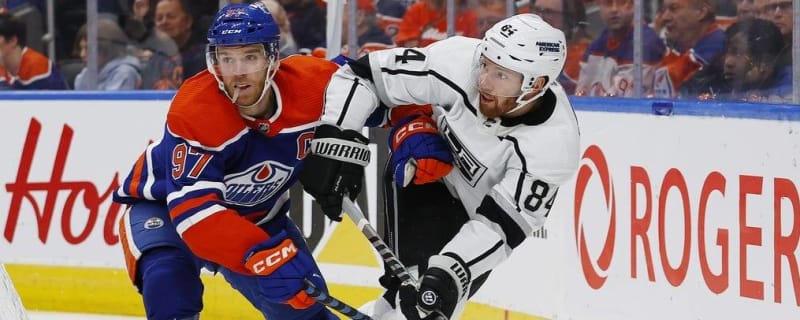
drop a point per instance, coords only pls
(394, 264)
(389, 258)
(332, 302)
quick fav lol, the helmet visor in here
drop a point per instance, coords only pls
(240, 60)
(498, 81)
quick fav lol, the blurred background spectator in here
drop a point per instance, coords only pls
(390, 14)
(570, 17)
(745, 9)
(693, 40)
(425, 22)
(117, 68)
(21, 67)
(174, 18)
(607, 67)
(32, 14)
(488, 13)
(370, 36)
(162, 65)
(287, 44)
(750, 71)
(780, 13)
(307, 19)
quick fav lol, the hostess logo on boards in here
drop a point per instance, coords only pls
(256, 184)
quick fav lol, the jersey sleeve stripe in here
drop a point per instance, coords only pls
(511, 227)
(216, 186)
(521, 179)
(438, 76)
(347, 102)
(191, 204)
(196, 218)
(147, 191)
(485, 254)
(136, 176)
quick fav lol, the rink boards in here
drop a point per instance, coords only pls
(693, 215)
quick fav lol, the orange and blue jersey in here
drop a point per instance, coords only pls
(36, 72)
(222, 175)
(680, 64)
(607, 67)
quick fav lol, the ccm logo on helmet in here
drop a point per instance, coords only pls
(231, 31)
(266, 261)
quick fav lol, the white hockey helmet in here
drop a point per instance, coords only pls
(527, 44)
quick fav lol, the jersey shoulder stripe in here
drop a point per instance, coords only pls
(201, 112)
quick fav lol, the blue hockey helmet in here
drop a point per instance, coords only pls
(240, 24)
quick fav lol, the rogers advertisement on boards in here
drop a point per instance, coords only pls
(683, 218)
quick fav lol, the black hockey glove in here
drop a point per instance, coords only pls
(335, 167)
(443, 285)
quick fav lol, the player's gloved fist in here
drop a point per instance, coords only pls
(443, 287)
(281, 268)
(419, 153)
(335, 167)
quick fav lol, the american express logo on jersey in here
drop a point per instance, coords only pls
(256, 184)
(468, 165)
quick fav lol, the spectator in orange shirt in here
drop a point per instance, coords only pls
(23, 68)
(570, 17)
(425, 22)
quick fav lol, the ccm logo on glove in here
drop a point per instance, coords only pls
(267, 261)
(419, 153)
(425, 125)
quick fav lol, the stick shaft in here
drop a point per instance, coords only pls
(333, 303)
(389, 258)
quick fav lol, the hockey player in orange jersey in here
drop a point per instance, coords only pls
(213, 192)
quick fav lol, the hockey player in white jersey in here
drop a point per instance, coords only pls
(499, 117)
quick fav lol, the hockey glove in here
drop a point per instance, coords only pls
(335, 167)
(443, 287)
(419, 153)
(280, 267)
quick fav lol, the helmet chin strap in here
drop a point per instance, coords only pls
(522, 102)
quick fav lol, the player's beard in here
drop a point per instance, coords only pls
(492, 106)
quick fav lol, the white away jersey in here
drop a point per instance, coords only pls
(507, 170)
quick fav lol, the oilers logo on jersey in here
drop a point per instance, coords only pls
(256, 184)
(471, 169)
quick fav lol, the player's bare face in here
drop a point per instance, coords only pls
(499, 88)
(243, 71)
